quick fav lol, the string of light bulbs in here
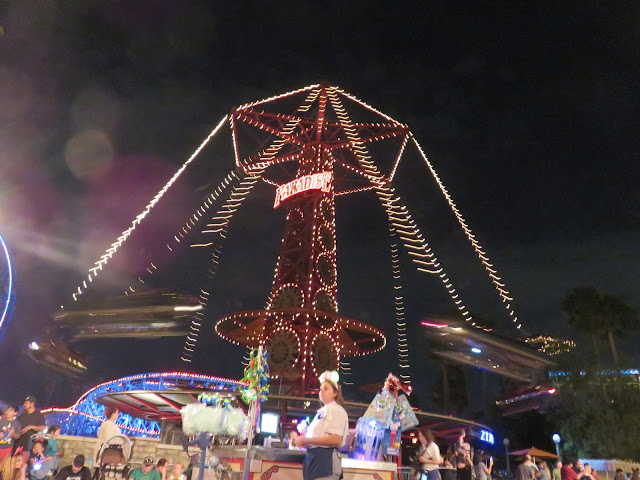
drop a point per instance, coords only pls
(192, 222)
(397, 213)
(99, 265)
(217, 231)
(493, 274)
(401, 330)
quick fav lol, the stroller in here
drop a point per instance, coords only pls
(113, 459)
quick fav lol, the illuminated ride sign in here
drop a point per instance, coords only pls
(486, 436)
(315, 181)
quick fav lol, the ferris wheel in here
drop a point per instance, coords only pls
(7, 287)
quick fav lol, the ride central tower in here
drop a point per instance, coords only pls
(310, 156)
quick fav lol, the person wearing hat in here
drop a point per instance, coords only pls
(32, 422)
(326, 434)
(75, 471)
(145, 472)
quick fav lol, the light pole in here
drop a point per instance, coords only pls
(506, 449)
(556, 439)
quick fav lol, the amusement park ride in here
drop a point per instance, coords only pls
(312, 145)
(7, 287)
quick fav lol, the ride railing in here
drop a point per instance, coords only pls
(86, 415)
(404, 473)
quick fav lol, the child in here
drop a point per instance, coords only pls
(9, 431)
(178, 472)
(37, 452)
(39, 465)
(51, 449)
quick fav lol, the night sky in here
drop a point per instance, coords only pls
(529, 112)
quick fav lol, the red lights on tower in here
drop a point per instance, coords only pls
(301, 328)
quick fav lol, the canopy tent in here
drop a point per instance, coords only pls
(534, 452)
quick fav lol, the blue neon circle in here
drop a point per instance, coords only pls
(7, 280)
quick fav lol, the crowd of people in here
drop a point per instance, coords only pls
(158, 471)
(460, 462)
(569, 469)
(634, 474)
(25, 451)
(29, 449)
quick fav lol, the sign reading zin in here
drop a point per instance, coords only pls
(486, 437)
(315, 181)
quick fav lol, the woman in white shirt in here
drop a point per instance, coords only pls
(326, 433)
(429, 455)
(107, 430)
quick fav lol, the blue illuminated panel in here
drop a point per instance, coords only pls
(486, 436)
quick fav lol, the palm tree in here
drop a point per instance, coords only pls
(598, 314)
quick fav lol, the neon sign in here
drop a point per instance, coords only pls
(486, 436)
(315, 181)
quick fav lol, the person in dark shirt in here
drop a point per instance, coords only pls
(32, 422)
(75, 471)
(588, 472)
(9, 431)
(448, 472)
(464, 463)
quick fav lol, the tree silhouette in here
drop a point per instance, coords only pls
(597, 415)
(452, 396)
(598, 314)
